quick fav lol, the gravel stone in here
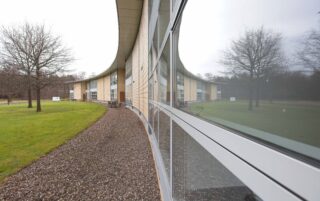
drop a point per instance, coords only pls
(111, 160)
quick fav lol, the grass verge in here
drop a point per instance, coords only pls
(26, 135)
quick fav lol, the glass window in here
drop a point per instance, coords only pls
(128, 93)
(114, 78)
(155, 84)
(93, 84)
(151, 116)
(150, 4)
(155, 40)
(150, 92)
(164, 17)
(164, 140)
(150, 63)
(71, 94)
(156, 123)
(113, 95)
(174, 4)
(197, 175)
(255, 71)
(164, 74)
(128, 82)
(93, 95)
(114, 86)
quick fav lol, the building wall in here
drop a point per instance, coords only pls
(103, 88)
(213, 92)
(77, 91)
(190, 89)
(140, 65)
(107, 88)
(100, 89)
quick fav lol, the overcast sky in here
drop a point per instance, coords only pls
(208, 27)
(89, 28)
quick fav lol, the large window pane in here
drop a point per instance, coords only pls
(164, 17)
(156, 84)
(255, 70)
(164, 140)
(113, 86)
(156, 122)
(164, 74)
(155, 44)
(128, 82)
(151, 116)
(197, 175)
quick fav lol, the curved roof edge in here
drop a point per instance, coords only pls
(129, 17)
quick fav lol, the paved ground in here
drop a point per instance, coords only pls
(111, 160)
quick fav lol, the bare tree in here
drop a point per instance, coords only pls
(209, 76)
(37, 53)
(309, 55)
(16, 52)
(256, 53)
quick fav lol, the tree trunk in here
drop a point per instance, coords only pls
(38, 100)
(29, 97)
(251, 91)
(9, 99)
(258, 92)
(29, 91)
(38, 89)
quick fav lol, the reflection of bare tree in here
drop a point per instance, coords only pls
(309, 55)
(257, 53)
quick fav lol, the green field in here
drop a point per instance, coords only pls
(298, 121)
(26, 135)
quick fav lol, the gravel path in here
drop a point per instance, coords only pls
(111, 160)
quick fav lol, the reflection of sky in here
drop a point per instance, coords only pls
(215, 23)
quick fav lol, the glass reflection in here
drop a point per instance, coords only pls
(128, 82)
(156, 122)
(256, 71)
(197, 175)
(164, 74)
(164, 140)
(164, 17)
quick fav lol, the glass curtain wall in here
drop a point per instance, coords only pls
(254, 73)
(128, 82)
(259, 79)
(114, 86)
(92, 86)
(71, 91)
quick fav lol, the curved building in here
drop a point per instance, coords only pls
(206, 146)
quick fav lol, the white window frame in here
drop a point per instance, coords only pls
(272, 175)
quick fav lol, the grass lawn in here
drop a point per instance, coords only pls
(26, 135)
(298, 121)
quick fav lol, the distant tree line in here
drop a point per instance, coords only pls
(13, 85)
(289, 85)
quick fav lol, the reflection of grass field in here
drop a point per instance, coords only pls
(26, 135)
(298, 121)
